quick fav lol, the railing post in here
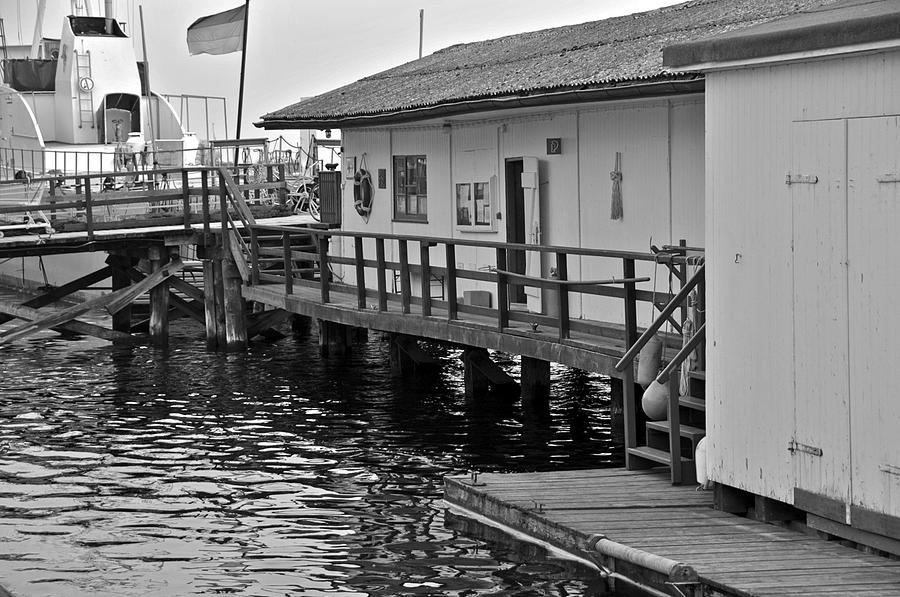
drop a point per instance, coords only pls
(223, 206)
(451, 282)
(629, 398)
(254, 257)
(186, 199)
(88, 208)
(324, 272)
(381, 266)
(405, 293)
(282, 190)
(204, 186)
(288, 262)
(674, 430)
(502, 291)
(360, 272)
(562, 272)
(425, 261)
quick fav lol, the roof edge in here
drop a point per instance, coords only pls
(817, 36)
(680, 84)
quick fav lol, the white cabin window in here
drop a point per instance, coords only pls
(410, 188)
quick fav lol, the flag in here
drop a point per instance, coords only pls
(220, 33)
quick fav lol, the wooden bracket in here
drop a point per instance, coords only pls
(795, 446)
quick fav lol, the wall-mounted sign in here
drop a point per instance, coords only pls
(382, 178)
(85, 83)
(554, 146)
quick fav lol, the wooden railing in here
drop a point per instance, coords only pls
(495, 272)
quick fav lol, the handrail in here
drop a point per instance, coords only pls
(682, 354)
(550, 282)
(615, 254)
(654, 327)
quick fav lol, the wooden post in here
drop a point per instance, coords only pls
(476, 382)
(502, 292)
(629, 394)
(121, 320)
(381, 266)
(324, 271)
(235, 318)
(360, 272)
(282, 190)
(452, 307)
(254, 257)
(535, 380)
(334, 338)
(186, 199)
(288, 262)
(219, 300)
(405, 292)
(425, 262)
(159, 299)
(204, 186)
(88, 209)
(209, 303)
(562, 272)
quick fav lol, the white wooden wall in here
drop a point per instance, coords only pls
(662, 145)
(802, 336)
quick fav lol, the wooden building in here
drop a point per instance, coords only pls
(802, 212)
(518, 139)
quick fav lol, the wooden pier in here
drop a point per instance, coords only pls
(637, 525)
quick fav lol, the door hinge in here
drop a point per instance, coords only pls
(800, 179)
(795, 446)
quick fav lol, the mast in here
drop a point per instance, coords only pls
(243, 68)
(38, 30)
(147, 85)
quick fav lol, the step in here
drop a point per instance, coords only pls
(692, 402)
(694, 434)
(700, 374)
(648, 453)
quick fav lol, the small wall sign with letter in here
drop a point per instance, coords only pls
(554, 146)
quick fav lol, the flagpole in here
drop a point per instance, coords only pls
(240, 110)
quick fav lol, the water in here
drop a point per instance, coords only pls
(140, 471)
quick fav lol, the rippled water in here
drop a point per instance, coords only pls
(141, 471)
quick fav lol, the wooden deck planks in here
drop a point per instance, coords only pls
(642, 510)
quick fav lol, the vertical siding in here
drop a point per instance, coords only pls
(753, 381)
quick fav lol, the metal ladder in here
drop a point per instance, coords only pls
(85, 93)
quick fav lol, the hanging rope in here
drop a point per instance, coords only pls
(615, 211)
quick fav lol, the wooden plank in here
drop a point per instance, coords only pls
(112, 302)
(72, 326)
(450, 277)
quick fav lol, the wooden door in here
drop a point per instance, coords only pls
(515, 224)
(874, 281)
(820, 448)
(532, 217)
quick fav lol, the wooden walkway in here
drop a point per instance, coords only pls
(641, 510)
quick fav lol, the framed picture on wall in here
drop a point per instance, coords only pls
(349, 167)
(464, 204)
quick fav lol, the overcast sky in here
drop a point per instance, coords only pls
(298, 48)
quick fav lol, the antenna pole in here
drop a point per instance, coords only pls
(421, 29)
(147, 85)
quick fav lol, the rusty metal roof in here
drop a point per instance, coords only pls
(617, 57)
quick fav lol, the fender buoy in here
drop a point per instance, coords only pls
(655, 401)
(362, 192)
(648, 361)
(700, 463)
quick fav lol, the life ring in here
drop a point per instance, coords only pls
(362, 192)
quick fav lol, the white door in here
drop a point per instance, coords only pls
(874, 281)
(531, 188)
(821, 443)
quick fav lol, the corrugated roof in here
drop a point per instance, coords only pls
(594, 56)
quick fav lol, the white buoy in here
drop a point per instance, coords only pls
(648, 361)
(700, 463)
(655, 401)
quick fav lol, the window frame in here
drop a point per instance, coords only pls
(411, 163)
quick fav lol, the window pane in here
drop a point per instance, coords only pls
(482, 204)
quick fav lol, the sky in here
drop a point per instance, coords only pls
(300, 48)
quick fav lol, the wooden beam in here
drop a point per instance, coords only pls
(112, 302)
(261, 323)
(73, 326)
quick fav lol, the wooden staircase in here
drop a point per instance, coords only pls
(271, 251)
(692, 428)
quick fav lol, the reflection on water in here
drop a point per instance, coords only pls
(137, 471)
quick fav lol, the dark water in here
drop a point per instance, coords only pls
(140, 471)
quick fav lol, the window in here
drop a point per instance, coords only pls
(410, 188)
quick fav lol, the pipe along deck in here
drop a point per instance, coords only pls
(641, 529)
